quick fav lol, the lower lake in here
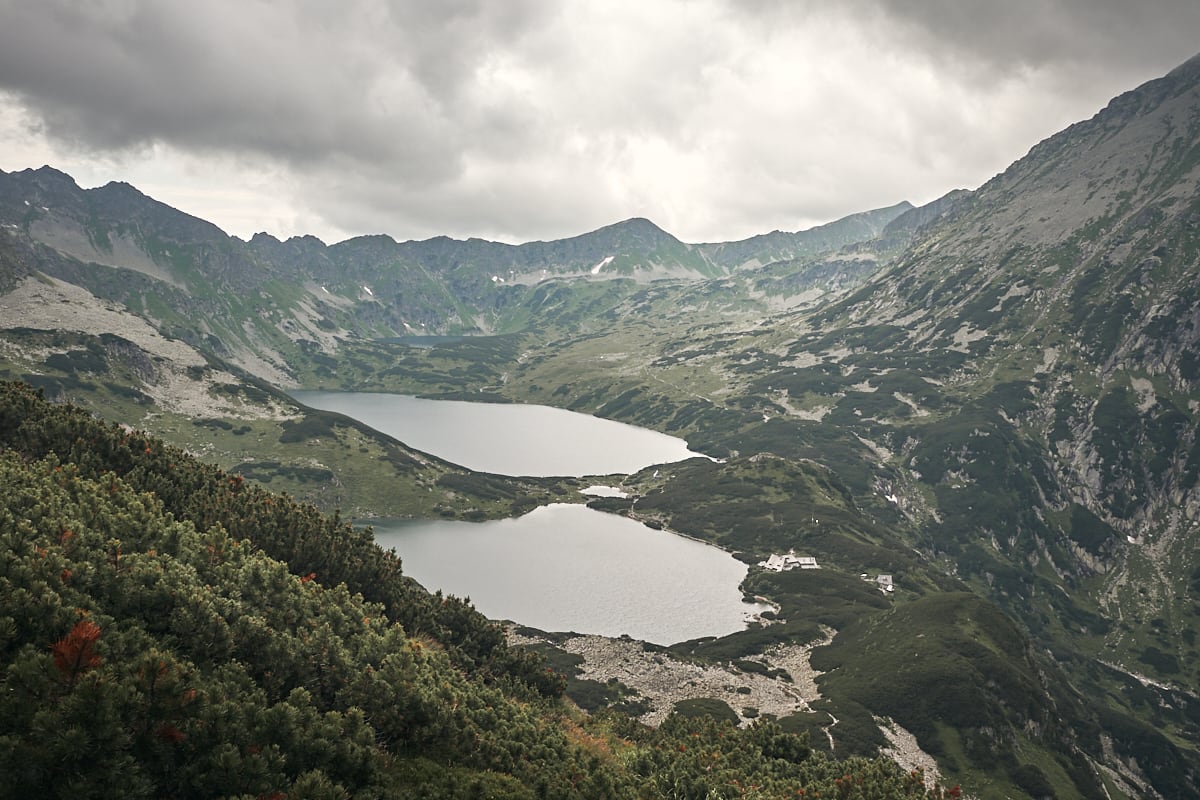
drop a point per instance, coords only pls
(506, 438)
(569, 568)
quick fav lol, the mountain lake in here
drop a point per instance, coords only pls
(561, 567)
(506, 438)
(566, 567)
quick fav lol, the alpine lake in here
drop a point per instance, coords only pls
(561, 567)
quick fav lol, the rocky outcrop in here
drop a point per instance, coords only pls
(661, 680)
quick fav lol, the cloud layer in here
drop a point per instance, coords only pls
(535, 119)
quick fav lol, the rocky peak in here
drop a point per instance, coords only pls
(1141, 148)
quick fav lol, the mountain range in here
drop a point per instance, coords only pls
(993, 397)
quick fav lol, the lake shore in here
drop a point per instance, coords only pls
(662, 680)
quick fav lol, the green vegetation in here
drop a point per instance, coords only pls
(994, 403)
(167, 629)
(706, 707)
(330, 460)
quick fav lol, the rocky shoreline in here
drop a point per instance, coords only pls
(662, 680)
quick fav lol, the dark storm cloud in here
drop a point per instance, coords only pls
(987, 37)
(524, 119)
(306, 81)
(1105, 34)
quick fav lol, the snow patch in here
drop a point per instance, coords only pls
(604, 491)
(604, 263)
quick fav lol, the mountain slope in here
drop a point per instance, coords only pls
(1002, 410)
(256, 301)
(784, 246)
(154, 642)
(1016, 394)
(1068, 285)
(1026, 375)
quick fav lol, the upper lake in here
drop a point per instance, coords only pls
(506, 438)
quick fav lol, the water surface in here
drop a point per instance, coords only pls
(507, 438)
(570, 568)
(559, 567)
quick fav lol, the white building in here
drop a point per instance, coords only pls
(789, 560)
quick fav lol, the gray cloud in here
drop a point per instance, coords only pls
(988, 38)
(373, 81)
(1104, 34)
(534, 119)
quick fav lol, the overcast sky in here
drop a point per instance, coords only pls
(530, 119)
